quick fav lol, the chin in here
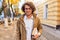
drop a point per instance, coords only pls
(28, 14)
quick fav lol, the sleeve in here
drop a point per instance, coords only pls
(39, 28)
(18, 30)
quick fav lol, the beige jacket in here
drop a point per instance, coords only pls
(22, 29)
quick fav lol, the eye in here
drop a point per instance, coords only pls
(27, 8)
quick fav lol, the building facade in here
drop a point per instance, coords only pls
(49, 13)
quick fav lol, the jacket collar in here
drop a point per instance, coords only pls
(34, 18)
(22, 17)
(25, 17)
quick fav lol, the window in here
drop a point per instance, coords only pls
(45, 11)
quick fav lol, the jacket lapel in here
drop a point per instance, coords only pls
(22, 22)
(34, 19)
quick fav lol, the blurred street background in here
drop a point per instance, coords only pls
(47, 10)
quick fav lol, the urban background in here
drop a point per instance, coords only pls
(47, 10)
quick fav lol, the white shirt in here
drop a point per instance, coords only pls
(29, 26)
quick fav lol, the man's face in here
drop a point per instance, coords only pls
(28, 10)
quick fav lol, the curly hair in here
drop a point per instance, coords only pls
(29, 4)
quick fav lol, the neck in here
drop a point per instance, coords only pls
(29, 16)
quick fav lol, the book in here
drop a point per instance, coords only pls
(34, 32)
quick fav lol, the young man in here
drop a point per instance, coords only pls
(29, 22)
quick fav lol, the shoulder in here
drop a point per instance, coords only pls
(37, 18)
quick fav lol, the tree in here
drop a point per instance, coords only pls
(1, 9)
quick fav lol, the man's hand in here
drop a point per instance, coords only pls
(36, 35)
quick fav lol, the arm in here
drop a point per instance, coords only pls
(39, 27)
(18, 30)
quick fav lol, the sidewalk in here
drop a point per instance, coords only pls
(50, 33)
(9, 33)
(42, 38)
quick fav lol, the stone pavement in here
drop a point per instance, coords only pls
(10, 33)
(42, 38)
(50, 33)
